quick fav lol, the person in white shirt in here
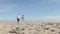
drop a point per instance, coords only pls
(22, 18)
(18, 18)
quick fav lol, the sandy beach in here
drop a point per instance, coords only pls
(29, 28)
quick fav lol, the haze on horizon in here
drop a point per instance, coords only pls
(36, 10)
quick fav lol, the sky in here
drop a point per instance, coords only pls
(34, 10)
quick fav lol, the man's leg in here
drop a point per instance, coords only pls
(17, 21)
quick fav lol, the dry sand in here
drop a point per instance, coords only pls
(30, 28)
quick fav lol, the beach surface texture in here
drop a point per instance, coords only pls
(29, 28)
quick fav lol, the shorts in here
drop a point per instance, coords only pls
(18, 20)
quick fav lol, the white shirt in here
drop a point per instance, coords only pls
(18, 16)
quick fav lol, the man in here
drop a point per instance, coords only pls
(18, 19)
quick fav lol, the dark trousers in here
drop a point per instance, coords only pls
(18, 20)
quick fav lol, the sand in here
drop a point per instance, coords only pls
(29, 28)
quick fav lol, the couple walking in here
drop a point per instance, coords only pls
(20, 18)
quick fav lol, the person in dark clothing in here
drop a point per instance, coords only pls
(18, 18)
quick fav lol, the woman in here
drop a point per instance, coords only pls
(22, 18)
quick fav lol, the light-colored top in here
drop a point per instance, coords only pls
(18, 16)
